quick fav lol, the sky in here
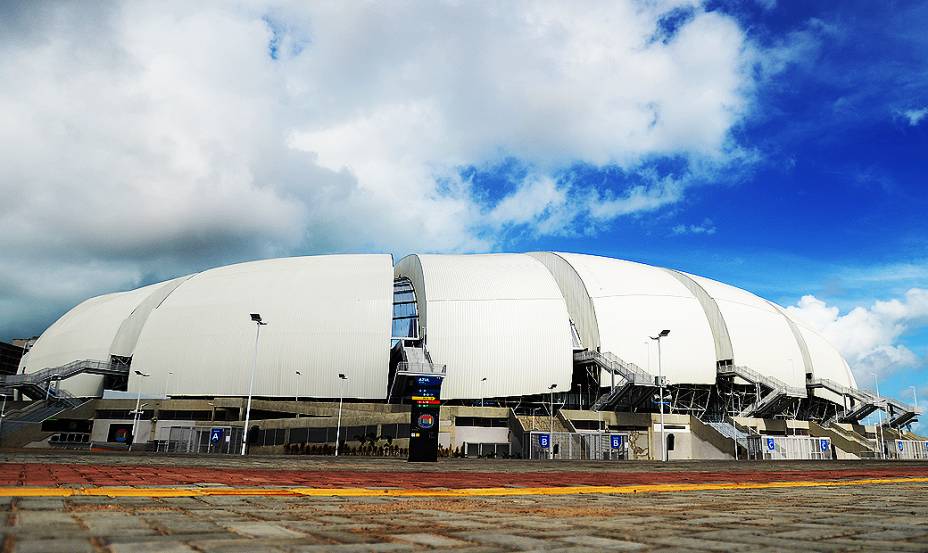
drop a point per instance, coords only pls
(778, 146)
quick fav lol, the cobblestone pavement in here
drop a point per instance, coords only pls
(884, 517)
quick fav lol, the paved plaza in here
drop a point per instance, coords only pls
(187, 504)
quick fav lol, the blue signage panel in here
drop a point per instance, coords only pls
(824, 445)
(544, 440)
(899, 444)
(616, 441)
(215, 435)
(771, 444)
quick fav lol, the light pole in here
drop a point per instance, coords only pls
(483, 390)
(660, 387)
(551, 424)
(136, 416)
(167, 379)
(2, 413)
(138, 401)
(914, 397)
(879, 429)
(341, 397)
(256, 318)
(297, 398)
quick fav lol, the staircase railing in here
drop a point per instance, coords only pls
(755, 377)
(39, 382)
(630, 372)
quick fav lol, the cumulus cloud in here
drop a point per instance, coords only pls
(868, 337)
(706, 227)
(915, 116)
(146, 140)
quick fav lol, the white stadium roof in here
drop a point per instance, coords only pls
(503, 317)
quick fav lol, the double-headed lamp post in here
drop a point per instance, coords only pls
(551, 424)
(660, 387)
(2, 413)
(879, 429)
(341, 397)
(138, 402)
(167, 379)
(256, 318)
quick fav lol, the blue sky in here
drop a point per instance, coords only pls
(776, 146)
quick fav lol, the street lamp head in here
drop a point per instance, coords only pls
(342, 376)
(662, 334)
(256, 317)
(553, 386)
(298, 373)
(484, 379)
(140, 373)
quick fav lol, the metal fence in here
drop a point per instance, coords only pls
(219, 440)
(606, 446)
(494, 450)
(776, 448)
(911, 449)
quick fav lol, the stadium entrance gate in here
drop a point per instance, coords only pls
(911, 449)
(780, 448)
(195, 439)
(599, 446)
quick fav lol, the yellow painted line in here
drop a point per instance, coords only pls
(20, 491)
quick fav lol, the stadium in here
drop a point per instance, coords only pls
(575, 347)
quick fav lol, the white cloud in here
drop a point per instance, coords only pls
(868, 337)
(706, 227)
(915, 116)
(156, 139)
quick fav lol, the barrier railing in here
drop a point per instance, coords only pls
(781, 448)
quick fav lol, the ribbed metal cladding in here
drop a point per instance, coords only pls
(326, 315)
(128, 334)
(579, 305)
(85, 332)
(633, 302)
(499, 317)
(761, 338)
(800, 339)
(723, 348)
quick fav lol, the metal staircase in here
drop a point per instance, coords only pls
(732, 432)
(866, 403)
(38, 385)
(415, 361)
(635, 386)
(900, 414)
(772, 394)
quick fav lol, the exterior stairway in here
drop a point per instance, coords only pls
(776, 393)
(866, 403)
(635, 386)
(38, 384)
(732, 432)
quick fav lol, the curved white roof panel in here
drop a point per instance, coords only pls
(826, 361)
(632, 302)
(499, 317)
(326, 315)
(760, 335)
(85, 332)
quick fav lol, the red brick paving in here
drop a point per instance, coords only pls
(36, 474)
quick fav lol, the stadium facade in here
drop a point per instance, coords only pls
(509, 331)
